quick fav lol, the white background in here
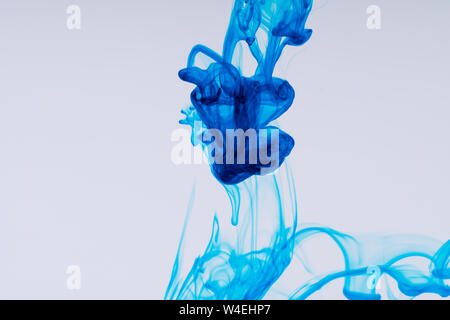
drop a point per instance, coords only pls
(86, 118)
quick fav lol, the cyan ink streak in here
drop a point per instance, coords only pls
(247, 262)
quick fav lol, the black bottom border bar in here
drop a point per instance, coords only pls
(233, 310)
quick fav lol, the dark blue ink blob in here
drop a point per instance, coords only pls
(224, 100)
